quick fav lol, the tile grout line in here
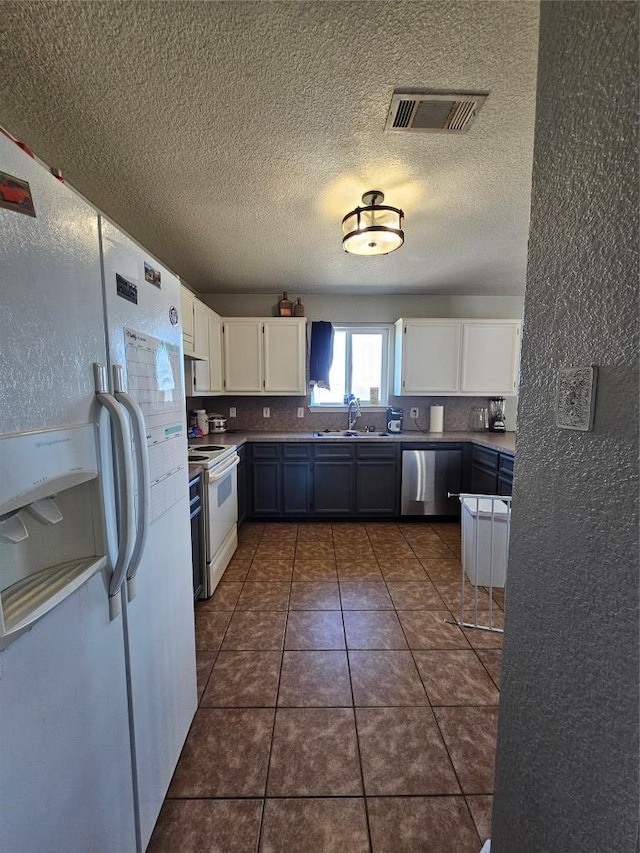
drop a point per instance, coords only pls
(355, 725)
(222, 639)
(442, 738)
(430, 706)
(275, 714)
(333, 796)
(393, 609)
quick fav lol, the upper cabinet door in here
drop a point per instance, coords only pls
(200, 330)
(215, 353)
(242, 342)
(490, 352)
(429, 357)
(205, 377)
(284, 356)
(186, 305)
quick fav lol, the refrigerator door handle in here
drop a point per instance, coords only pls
(126, 520)
(143, 520)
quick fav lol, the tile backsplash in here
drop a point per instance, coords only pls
(284, 413)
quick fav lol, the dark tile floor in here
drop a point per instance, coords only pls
(341, 709)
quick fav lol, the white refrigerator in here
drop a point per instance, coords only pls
(97, 660)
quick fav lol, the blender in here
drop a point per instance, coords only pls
(496, 415)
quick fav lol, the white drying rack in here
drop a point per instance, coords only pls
(485, 553)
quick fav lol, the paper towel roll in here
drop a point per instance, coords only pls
(436, 418)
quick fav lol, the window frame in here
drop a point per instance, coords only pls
(384, 329)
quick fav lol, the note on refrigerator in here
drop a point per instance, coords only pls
(154, 380)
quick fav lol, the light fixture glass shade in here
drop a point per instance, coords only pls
(373, 230)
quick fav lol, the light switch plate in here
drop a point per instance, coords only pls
(300, 411)
(233, 412)
(266, 412)
(576, 397)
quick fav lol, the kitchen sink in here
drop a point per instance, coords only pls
(349, 433)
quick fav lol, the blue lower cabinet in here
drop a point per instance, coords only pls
(357, 479)
(266, 481)
(491, 472)
(333, 488)
(243, 485)
(377, 480)
(296, 479)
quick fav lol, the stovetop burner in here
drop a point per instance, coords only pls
(210, 455)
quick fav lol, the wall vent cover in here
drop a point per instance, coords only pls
(411, 112)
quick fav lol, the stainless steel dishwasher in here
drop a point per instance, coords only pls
(427, 477)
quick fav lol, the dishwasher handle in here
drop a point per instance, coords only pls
(428, 476)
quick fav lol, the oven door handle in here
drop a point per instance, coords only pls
(215, 474)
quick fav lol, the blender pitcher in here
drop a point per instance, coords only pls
(496, 415)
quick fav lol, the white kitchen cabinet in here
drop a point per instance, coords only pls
(456, 357)
(216, 377)
(490, 351)
(284, 356)
(264, 355)
(242, 346)
(200, 330)
(204, 378)
(186, 311)
(195, 330)
(427, 357)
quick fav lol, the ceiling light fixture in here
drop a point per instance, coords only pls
(375, 229)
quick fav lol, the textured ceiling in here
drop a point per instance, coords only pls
(231, 137)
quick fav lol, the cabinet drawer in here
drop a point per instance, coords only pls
(384, 452)
(334, 451)
(505, 485)
(194, 488)
(265, 451)
(506, 464)
(296, 451)
(486, 457)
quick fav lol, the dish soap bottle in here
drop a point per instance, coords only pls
(285, 306)
(298, 308)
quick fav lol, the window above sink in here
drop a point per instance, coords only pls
(360, 363)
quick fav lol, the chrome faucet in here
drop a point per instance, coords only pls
(353, 412)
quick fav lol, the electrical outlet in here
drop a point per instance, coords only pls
(414, 412)
(232, 412)
(300, 411)
(266, 412)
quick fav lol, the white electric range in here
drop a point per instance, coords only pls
(220, 508)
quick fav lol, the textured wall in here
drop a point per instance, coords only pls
(567, 763)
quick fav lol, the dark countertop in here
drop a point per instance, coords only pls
(505, 442)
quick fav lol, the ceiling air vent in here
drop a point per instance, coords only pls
(426, 113)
